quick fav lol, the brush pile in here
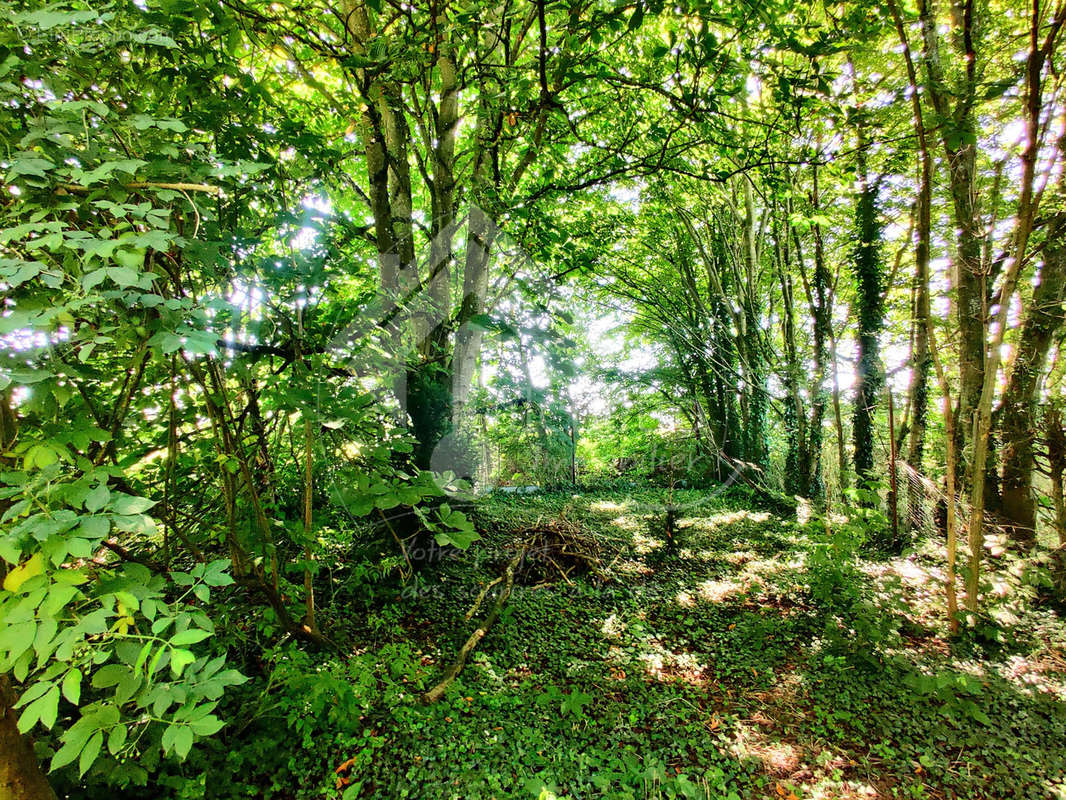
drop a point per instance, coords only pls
(558, 550)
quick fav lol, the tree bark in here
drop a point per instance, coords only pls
(1017, 411)
(1028, 202)
(21, 777)
(958, 140)
(822, 313)
(921, 360)
(869, 302)
(437, 692)
(1056, 451)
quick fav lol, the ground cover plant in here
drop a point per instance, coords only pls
(734, 666)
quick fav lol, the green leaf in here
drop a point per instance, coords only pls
(33, 693)
(44, 709)
(637, 18)
(461, 539)
(46, 632)
(79, 548)
(216, 575)
(73, 742)
(29, 165)
(200, 342)
(575, 702)
(40, 456)
(46, 19)
(17, 637)
(51, 707)
(91, 751)
(206, 726)
(116, 739)
(190, 636)
(95, 527)
(178, 738)
(109, 675)
(183, 741)
(72, 685)
(127, 504)
(104, 171)
(61, 592)
(179, 659)
(123, 276)
(130, 260)
(127, 687)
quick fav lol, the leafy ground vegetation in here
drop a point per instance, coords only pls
(734, 662)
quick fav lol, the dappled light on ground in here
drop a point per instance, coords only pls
(721, 656)
(730, 663)
(608, 506)
(716, 591)
(714, 522)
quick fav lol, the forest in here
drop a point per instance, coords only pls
(536, 399)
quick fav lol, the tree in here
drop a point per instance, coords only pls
(1018, 423)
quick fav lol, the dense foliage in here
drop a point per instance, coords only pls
(306, 306)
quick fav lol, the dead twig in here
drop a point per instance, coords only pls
(480, 598)
(437, 692)
(453, 672)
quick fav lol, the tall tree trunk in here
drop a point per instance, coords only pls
(797, 459)
(430, 387)
(1055, 436)
(838, 417)
(309, 586)
(480, 236)
(921, 360)
(1017, 411)
(959, 142)
(753, 361)
(1028, 203)
(947, 407)
(870, 311)
(822, 313)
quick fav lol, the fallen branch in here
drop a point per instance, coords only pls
(126, 555)
(437, 692)
(480, 598)
(562, 572)
(406, 558)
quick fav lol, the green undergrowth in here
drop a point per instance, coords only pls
(758, 656)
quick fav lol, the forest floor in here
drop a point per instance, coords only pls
(740, 663)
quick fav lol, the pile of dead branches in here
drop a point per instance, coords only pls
(558, 550)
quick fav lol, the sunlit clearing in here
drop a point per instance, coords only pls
(667, 666)
(644, 544)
